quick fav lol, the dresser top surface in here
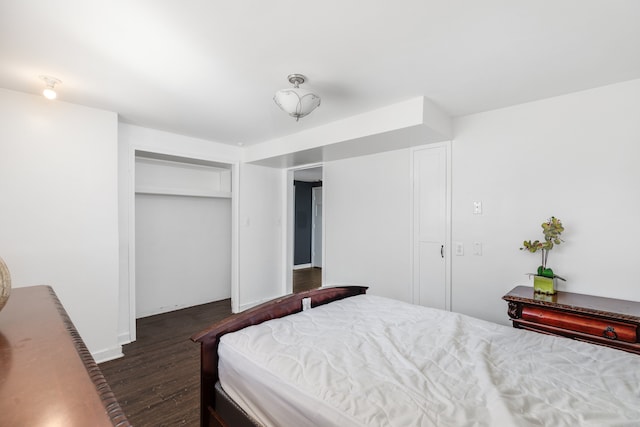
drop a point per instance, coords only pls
(43, 380)
(579, 302)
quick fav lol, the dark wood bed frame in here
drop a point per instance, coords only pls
(218, 410)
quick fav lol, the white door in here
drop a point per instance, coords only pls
(430, 226)
(316, 228)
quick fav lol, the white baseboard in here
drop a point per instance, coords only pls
(249, 305)
(188, 304)
(107, 354)
(301, 266)
(124, 338)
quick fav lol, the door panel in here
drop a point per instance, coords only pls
(431, 276)
(316, 233)
(430, 201)
(431, 188)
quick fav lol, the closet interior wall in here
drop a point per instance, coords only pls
(183, 234)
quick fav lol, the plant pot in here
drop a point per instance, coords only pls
(544, 285)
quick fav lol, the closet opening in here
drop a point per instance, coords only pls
(183, 234)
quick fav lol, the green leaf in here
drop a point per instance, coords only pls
(547, 272)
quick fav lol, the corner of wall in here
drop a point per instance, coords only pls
(105, 355)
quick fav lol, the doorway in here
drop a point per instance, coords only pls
(307, 229)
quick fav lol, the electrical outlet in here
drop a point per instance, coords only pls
(477, 248)
(459, 248)
(477, 208)
(306, 304)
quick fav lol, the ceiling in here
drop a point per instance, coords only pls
(209, 68)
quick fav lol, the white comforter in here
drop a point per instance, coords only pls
(372, 361)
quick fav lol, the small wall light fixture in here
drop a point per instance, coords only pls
(296, 101)
(51, 82)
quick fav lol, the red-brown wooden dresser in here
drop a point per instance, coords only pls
(47, 375)
(605, 321)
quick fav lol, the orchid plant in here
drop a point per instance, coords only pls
(551, 229)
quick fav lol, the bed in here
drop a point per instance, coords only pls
(363, 360)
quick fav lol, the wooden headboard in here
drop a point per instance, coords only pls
(280, 307)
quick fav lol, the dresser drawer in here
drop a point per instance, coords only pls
(613, 330)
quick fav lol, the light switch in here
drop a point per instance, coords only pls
(477, 208)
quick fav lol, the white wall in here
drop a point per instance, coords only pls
(574, 157)
(367, 223)
(261, 247)
(59, 223)
(183, 235)
(183, 252)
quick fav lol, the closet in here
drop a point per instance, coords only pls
(182, 233)
(431, 226)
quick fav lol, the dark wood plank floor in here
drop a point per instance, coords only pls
(157, 382)
(305, 279)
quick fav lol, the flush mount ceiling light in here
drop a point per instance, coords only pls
(51, 82)
(296, 101)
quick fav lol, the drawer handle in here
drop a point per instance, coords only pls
(610, 333)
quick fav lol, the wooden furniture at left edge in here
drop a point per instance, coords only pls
(597, 320)
(47, 375)
(215, 408)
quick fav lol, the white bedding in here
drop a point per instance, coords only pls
(372, 361)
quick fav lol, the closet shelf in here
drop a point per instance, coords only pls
(187, 193)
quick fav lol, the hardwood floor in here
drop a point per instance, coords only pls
(157, 382)
(305, 279)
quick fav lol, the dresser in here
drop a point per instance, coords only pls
(605, 321)
(47, 375)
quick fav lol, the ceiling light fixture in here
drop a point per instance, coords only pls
(51, 82)
(296, 101)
